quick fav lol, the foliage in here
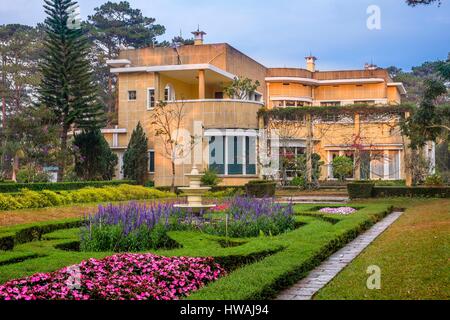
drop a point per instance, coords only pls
(249, 217)
(341, 211)
(136, 159)
(411, 192)
(130, 277)
(299, 166)
(342, 167)
(241, 88)
(127, 228)
(94, 159)
(11, 187)
(210, 178)
(114, 27)
(434, 181)
(30, 174)
(28, 199)
(360, 190)
(260, 188)
(67, 87)
(298, 182)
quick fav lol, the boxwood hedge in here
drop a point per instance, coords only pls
(60, 186)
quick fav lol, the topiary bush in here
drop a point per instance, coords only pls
(434, 181)
(360, 190)
(411, 192)
(261, 189)
(60, 186)
(27, 199)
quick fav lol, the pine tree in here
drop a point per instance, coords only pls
(94, 159)
(67, 86)
(135, 160)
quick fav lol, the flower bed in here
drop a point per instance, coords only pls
(120, 277)
(250, 217)
(128, 228)
(340, 211)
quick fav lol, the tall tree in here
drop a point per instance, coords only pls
(94, 159)
(115, 26)
(136, 159)
(67, 86)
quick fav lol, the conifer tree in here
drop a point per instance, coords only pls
(135, 159)
(67, 87)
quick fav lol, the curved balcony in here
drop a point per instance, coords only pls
(222, 113)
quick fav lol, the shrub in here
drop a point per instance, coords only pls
(360, 190)
(416, 192)
(30, 174)
(210, 178)
(41, 199)
(261, 189)
(342, 167)
(434, 181)
(127, 228)
(250, 218)
(298, 182)
(62, 186)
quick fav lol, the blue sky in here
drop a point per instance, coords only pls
(282, 32)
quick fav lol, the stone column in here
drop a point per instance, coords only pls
(201, 84)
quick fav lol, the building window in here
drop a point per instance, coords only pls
(233, 155)
(151, 161)
(169, 93)
(218, 95)
(151, 102)
(132, 95)
(330, 104)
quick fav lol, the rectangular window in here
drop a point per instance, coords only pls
(330, 104)
(151, 103)
(394, 165)
(151, 161)
(235, 161)
(132, 95)
(217, 154)
(218, 95)
(377, 165)
(233, 155)
(250, 155)
(167, 94)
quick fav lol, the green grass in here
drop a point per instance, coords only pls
(413, 255)
(258, 267)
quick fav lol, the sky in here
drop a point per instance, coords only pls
(281, 33)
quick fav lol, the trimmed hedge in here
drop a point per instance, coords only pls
(34, 233)
(360, 190)
(416, 192)
(60, 186)
(28, 199)
(261, 189)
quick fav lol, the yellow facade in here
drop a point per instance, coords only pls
(195, 76)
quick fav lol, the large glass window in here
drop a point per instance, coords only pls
(217, 154)
(394, 165)
(377, 165)
(233, 155)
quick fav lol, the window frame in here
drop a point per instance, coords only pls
(135, 95)
(149, 107)
(149, 161)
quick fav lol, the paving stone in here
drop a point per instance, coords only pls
(323, 274)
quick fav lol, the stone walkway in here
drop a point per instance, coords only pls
(330, 268)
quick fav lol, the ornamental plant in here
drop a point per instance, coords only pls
(341, 211)
(249, 217)
(128, 228)
(120, 277)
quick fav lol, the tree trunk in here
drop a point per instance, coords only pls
(172, 186)
(309, 148)
(62, 162)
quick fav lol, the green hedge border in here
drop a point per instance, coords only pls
(60, 186)
(365, 190)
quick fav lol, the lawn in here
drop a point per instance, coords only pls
(413, 255)
(258, 268)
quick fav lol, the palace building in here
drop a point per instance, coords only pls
(194, 76)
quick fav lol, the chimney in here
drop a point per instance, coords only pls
(198, 37)
(311, 63)
(370, 66)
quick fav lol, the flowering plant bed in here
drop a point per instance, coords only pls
(341, 211)
(119, 277)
